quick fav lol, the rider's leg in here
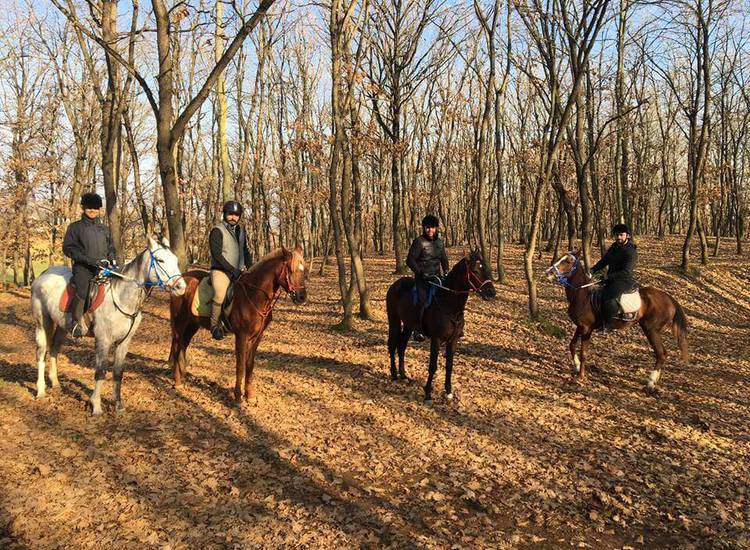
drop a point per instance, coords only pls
(82, 278)
(220, 283)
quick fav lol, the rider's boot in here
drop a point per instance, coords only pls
(418, 334)
(79, 321)
(216, 329)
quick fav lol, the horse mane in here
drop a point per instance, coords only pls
(279, 254)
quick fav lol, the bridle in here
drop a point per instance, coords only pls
(284, 282)
(474, 283)
(563, 277)
(166, 283)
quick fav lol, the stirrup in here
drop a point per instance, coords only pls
(418, 336)
(78, 331)
(217, 332)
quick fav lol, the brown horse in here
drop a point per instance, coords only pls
(443, 319)
(658, 309)
(255, 295)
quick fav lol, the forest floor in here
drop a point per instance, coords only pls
(335, 455)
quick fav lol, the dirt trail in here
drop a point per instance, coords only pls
(335, 455)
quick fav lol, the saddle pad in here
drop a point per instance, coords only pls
(203, 298)
(630, 302)
(201, 306)
(66, 299)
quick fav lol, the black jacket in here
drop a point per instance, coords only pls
(87, 241)
(621, 262)
(426, 257)
(216, 247)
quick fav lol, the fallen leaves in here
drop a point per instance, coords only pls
(336, 456)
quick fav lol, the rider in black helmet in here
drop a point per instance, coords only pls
(426, 259)
(620, 258)
(230, 256)
(88, 242)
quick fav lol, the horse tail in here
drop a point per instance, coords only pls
(680, 329)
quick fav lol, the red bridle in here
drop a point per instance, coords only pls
(288, 286)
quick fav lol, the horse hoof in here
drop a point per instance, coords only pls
(251, 401)
(428, 400)
(96, 413)
(651, 390)
(40, 397)
(120, 408)
(449, 396)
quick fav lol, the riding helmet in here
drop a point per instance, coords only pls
(620, 228)
(232, 207)
(91, 200)
(430, 221)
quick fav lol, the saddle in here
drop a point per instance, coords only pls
(203, 297)
(629, 302)
(94, 298)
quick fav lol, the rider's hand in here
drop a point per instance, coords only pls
(235, 274)
(103, 263)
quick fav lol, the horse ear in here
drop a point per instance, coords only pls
(152, 244)
(298, 248)
(165, 242)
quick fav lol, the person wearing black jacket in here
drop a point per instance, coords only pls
(88, 242)
(620, 258)
(426, 259)
(230, 256)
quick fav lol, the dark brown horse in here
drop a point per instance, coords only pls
(255, 295)
(443, 320)
(658, 309)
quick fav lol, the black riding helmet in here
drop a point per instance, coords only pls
(620, 228)
(430, 221)
(232, 207)
(91, 200)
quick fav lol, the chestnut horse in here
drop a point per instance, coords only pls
(443, 320)
(658, 309)
(255, 295)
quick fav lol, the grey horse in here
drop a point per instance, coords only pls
(115, 321)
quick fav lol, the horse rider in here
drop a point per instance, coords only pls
(88, 242)
(230, 256)
(426, 259)
(620, 258)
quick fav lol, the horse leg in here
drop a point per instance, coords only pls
(43, 336)
(655, 339)
(179, 369)
(450, 350)
(102, 352)
(585, 339)
(434, 350)
(250, 395)
(117, 369)
(242, 350)
(574, 354)
(394, 334)
(174, 356)
(57, 340)
(402, 344)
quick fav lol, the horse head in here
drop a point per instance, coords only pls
(478, 276)
(564, 267)
(164, 268)
(294, 274)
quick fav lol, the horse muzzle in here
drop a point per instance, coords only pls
(177, 286)
(299, 296)
(488, 293)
